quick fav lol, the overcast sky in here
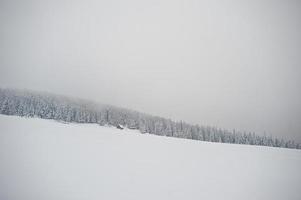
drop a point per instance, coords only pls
(231, 64)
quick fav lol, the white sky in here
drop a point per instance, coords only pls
(232, 64)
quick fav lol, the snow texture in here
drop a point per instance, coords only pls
(46, 160)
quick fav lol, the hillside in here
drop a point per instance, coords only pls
(44, 159)
(66, 109)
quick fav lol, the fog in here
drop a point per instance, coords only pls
(233, 64)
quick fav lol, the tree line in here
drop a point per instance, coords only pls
(48, 106)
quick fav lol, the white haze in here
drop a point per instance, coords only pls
(233, 64)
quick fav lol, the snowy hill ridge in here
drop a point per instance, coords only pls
(43, 159)
(61, 108)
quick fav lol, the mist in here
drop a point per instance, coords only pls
(228, 64)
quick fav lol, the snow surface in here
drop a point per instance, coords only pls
(43, 159)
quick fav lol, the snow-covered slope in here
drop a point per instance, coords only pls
(43, 159)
